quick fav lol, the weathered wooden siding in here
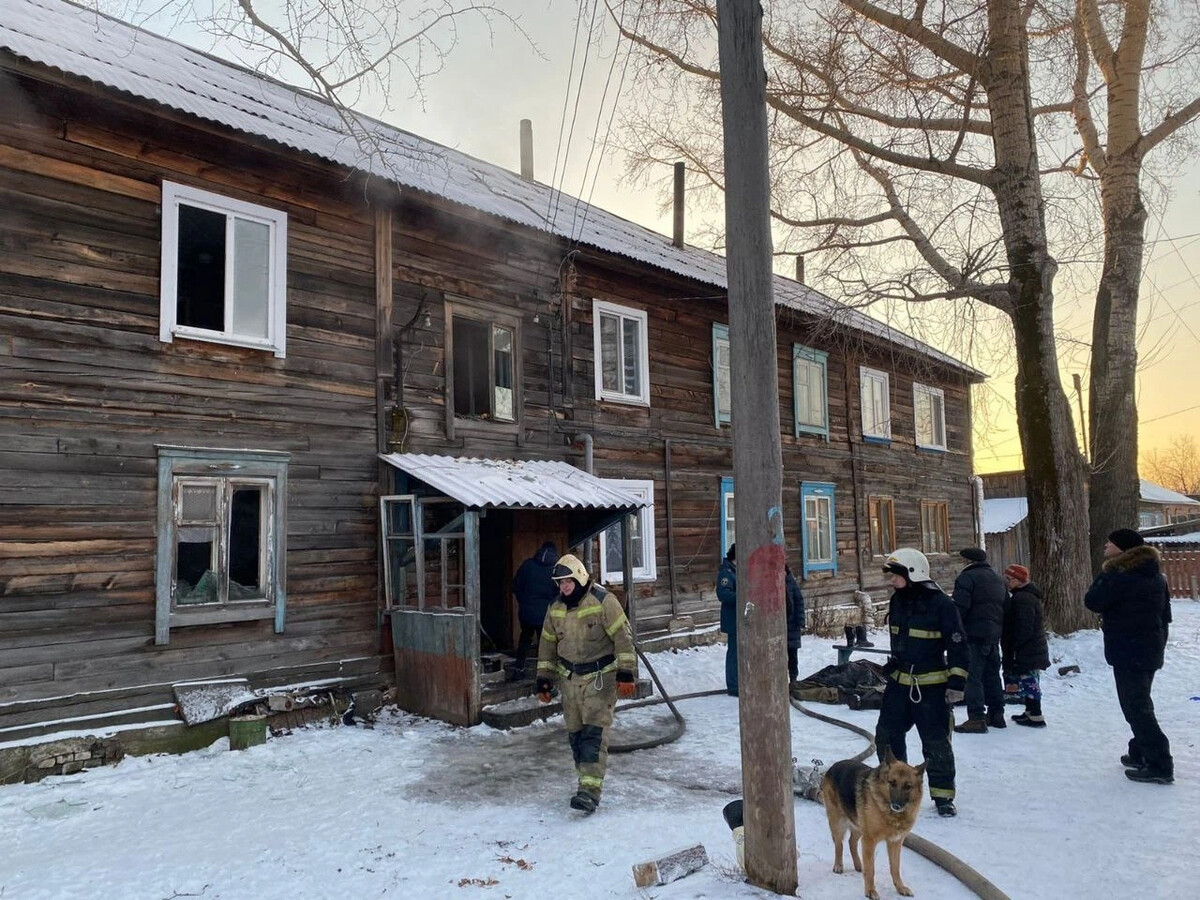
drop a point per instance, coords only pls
(87, 390)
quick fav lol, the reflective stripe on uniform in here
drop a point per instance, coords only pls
(940, 677)
(919, 633)
(948, 793)
(961, 673)
(591, 781)
(616, 626)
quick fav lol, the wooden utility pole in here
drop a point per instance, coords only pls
(770, 820)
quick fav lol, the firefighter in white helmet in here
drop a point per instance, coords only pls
(927, 671)
(587, 646)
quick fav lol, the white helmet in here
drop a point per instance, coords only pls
(908, 562)
(569, 566)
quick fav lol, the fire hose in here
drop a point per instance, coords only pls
(943, 859)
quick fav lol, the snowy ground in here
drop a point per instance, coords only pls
(417, 809)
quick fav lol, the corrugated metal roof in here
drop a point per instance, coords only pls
(522, 484)
(104, 50)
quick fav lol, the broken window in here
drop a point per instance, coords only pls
(435, 578)
(483, 369)
(223, 270)
(221, 546)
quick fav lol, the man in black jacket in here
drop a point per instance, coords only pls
(1134, 603)
(535, 590)
(980, 595)
(926, 671)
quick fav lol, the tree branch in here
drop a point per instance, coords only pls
(1169, 126)
(946, 50)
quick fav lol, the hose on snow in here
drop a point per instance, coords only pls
(943, 859)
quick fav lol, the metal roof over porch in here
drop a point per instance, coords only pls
(513, 483)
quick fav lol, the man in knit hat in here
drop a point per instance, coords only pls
(1134, 603)
(980, 595)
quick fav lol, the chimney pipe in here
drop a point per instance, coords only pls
(527, 149)
(677, 239)
(800, 267)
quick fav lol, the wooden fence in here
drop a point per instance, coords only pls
(1182, 568)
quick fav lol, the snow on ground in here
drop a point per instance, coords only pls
(414, 808)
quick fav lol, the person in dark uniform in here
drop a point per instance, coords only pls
(1134, 603)
(535, 590)
(927, 671)
(795, 621)
(727, 594)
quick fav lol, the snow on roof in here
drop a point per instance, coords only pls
(114, 54)
(1003, 514)
(527, 484)
(1156, 493)
(1191, 538)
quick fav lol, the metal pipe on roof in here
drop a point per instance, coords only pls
(677, 238)
(527, 149)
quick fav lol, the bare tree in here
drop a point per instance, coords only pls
(1176, 466)
(350, 52)
(906, 135)
(1143, 105)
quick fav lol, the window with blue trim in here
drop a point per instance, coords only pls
(728, 533)
(818, 529)
(810, 398)
(722, 402)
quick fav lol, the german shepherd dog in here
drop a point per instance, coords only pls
(879, 804)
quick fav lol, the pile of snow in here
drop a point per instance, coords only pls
(414, 808)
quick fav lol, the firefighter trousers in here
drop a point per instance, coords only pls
(588, 703)
(904, 706)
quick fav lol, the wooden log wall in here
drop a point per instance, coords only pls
(87, 391)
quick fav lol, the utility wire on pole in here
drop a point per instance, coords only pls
(766, 738)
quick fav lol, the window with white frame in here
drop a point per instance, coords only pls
(722, 389)
(728, 524)
(621, 353)
(641, 538)
(818, 528)
(224, 270)
(875, 400)
(929, 413)
(810, 402)
(221, 542)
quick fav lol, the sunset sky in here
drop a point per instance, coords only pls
(489, 85)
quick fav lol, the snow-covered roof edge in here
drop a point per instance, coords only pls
(1156, 493)
(111, 53)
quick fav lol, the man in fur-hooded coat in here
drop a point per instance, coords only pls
(1134, 603)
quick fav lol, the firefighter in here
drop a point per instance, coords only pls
(587, 647)
(927, 671)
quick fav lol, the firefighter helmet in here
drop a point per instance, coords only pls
(569, 566)
(908, 562)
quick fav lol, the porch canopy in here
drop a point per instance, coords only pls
(591, 504)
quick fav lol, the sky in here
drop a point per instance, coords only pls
(494, 78)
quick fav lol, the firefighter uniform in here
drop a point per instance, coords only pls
(928, 657)
(587, 647)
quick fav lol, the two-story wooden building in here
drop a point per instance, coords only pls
(245, 353)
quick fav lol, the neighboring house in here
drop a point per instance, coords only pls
(1005, 514)
(239, 355)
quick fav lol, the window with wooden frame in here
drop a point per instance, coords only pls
(221, 537)
(875, 400)
(929, 415)
(883, 525)
(641, 538)
(935, 526)
(622, 360)
(810, 397)
(483, 364)
(722, 388)
(818, 528)
(223, 270)
(425, 553)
